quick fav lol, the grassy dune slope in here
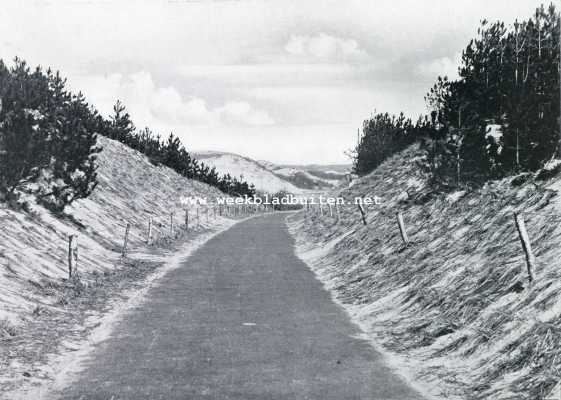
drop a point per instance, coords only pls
(33, 246)
(251, 170)
(454, 308)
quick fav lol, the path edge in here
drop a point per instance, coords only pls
(66, 366)
(394, 363)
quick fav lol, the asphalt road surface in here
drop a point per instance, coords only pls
(242, 318)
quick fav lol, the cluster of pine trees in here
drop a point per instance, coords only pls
(500, 116)
(383, 135)
(171, 153)
(48, 141)
(47, 138)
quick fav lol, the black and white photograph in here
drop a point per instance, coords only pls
(280, 200)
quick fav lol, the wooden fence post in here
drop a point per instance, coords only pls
(72, 256)
(126, 241)
(186, 219)
(402, 229)
(526, 246)
(198, 221)
(362, 213)
(149, 239)
(330, 211)
(337, 210)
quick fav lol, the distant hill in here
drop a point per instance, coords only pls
(338, 169)
(271, 177)
(313, 176)
(308, 179)
(252, 171)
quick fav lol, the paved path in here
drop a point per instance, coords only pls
(243, 318)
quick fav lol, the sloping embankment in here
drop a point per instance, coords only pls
(39, 307)
(454, 308)
(34, 247)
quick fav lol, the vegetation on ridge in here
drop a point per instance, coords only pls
(48, 141)
(501, 115)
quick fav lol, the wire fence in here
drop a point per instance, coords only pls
(408, 233)
(159, 230)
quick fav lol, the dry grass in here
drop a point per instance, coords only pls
(460, 298)
(7, 329)
(39, 307)
(34, 245)
(68, 303)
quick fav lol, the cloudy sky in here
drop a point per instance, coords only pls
(287, 81)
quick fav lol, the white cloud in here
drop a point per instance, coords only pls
(241, 113)
(325, 48)
(168, 105)
(226, 63)
(445, 66)
(165, 107)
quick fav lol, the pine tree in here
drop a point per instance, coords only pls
(121, 127)
(47, 138)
